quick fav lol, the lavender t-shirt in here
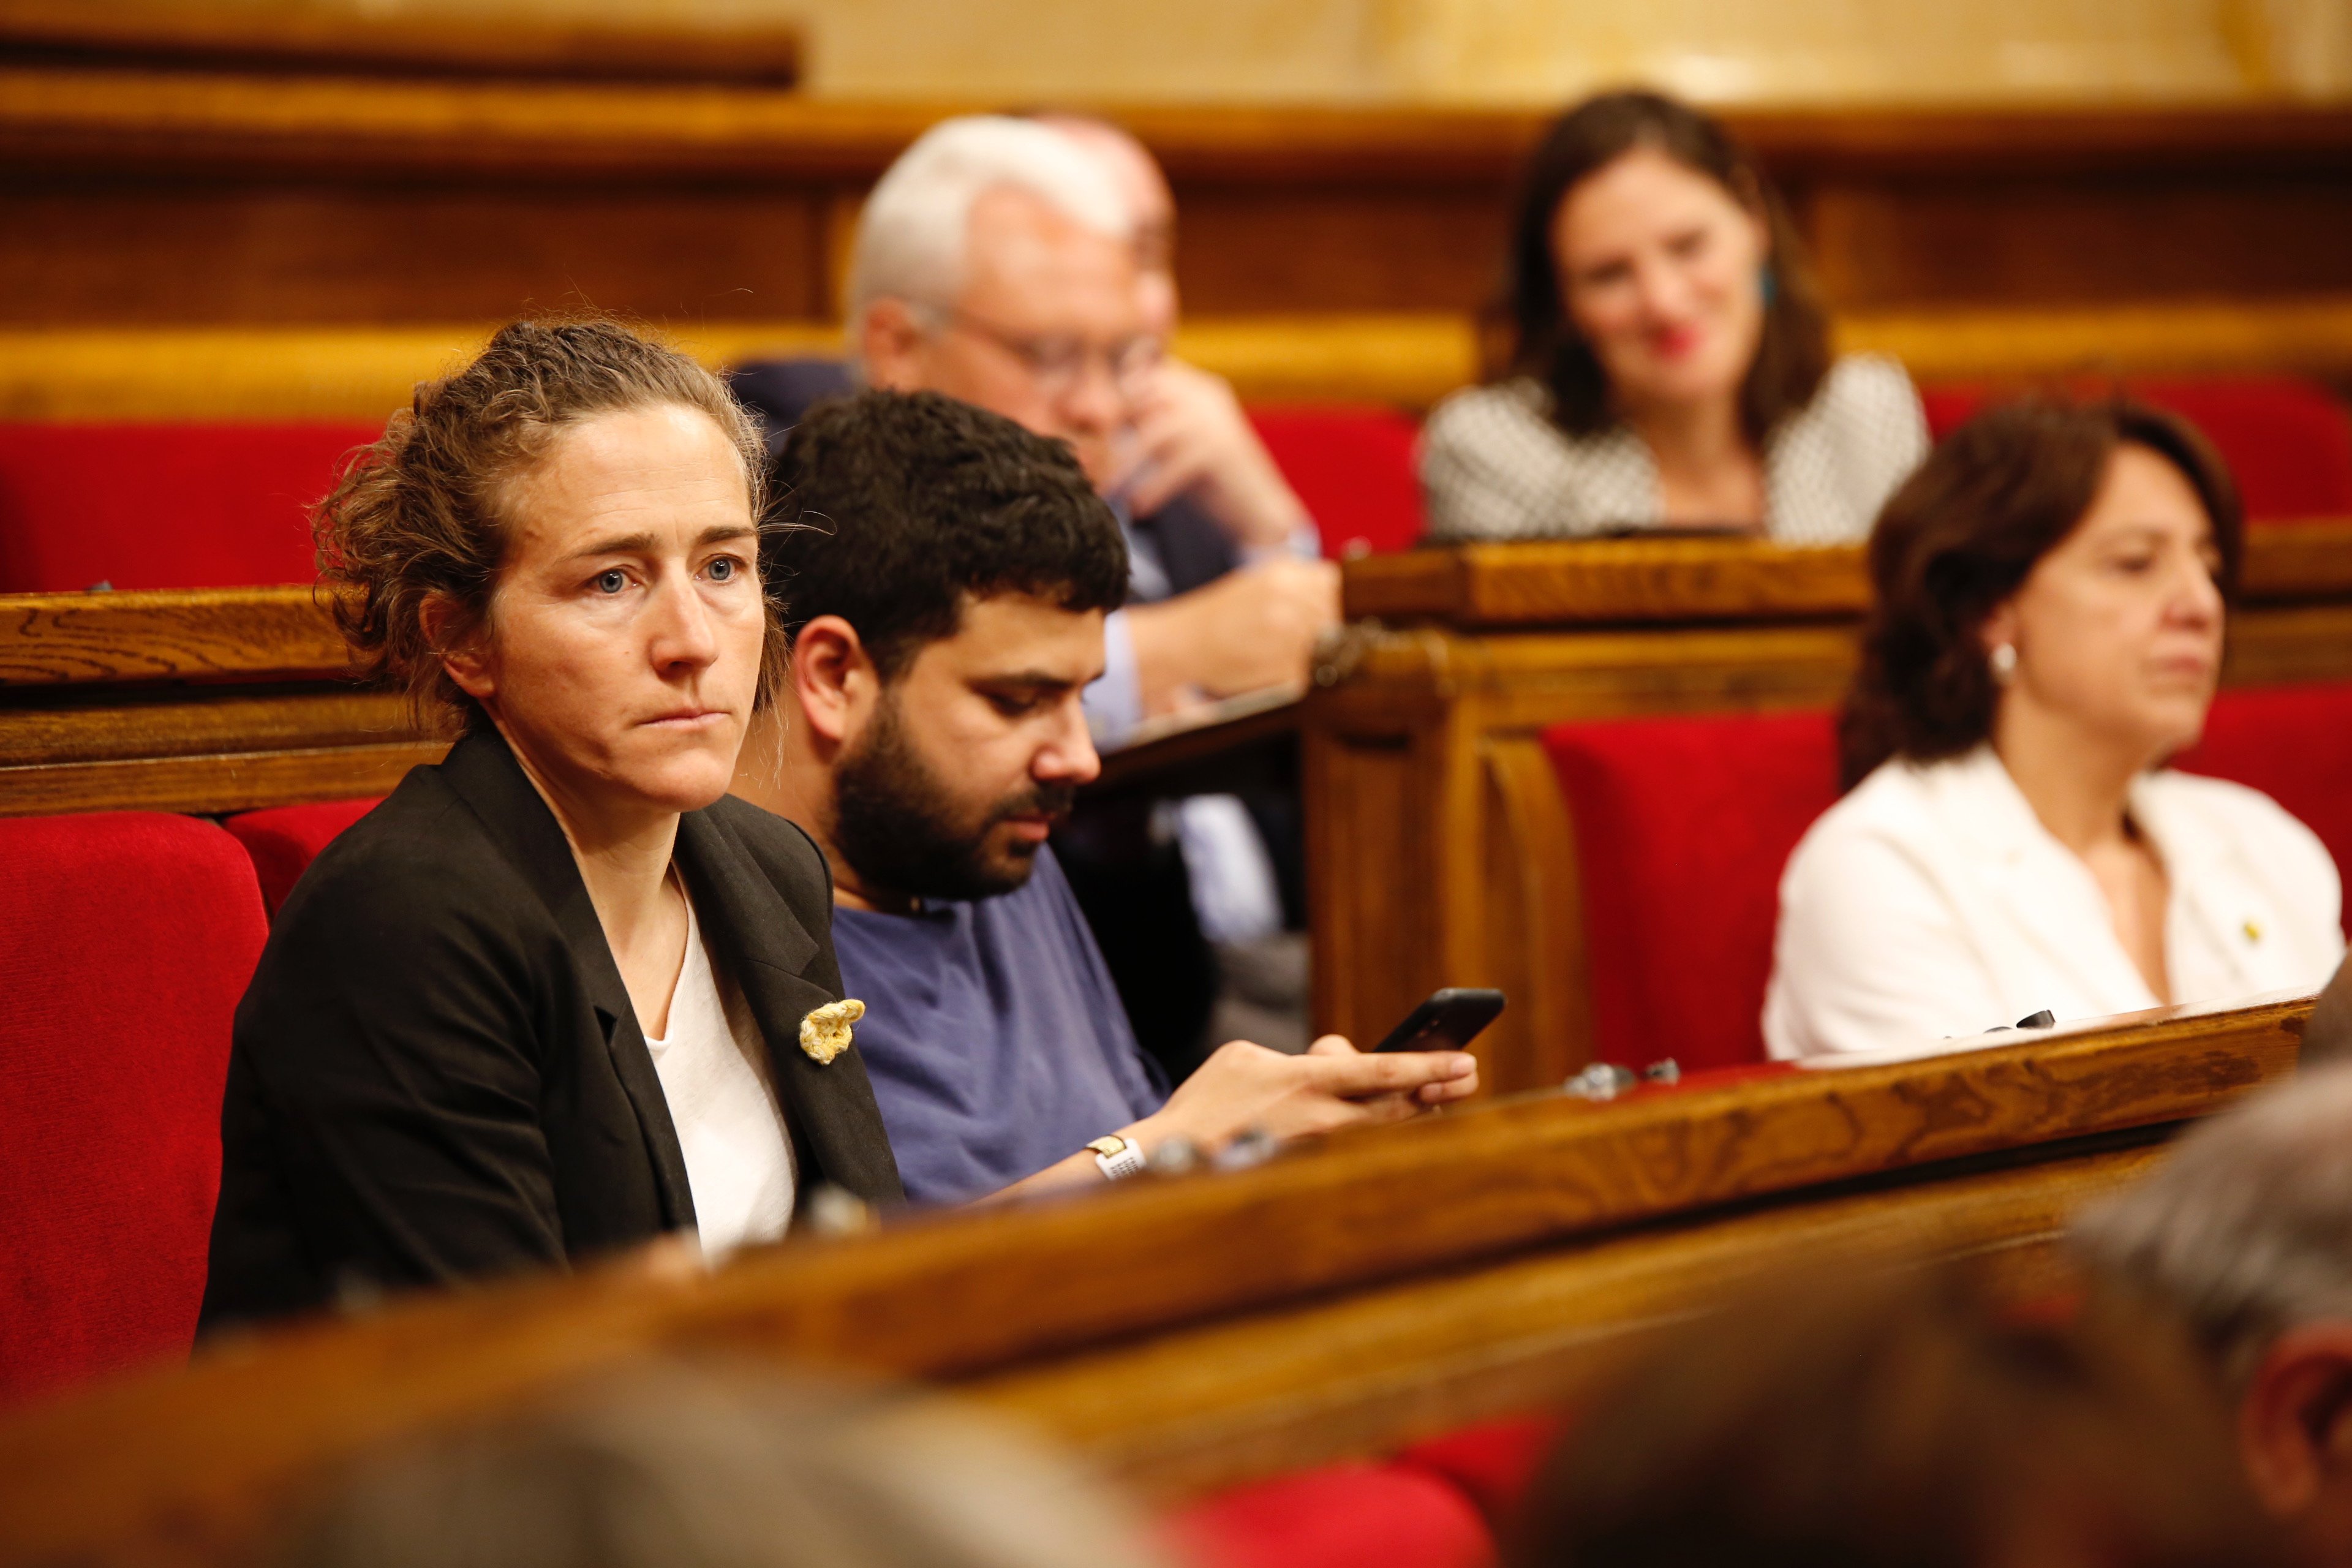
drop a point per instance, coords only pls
(995, 1040)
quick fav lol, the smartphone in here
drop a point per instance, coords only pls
(1448, 1021)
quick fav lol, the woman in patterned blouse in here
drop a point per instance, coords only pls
(1670, 364)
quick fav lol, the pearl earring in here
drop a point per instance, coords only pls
(2003, 660)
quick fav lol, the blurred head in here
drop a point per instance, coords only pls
(560, 540)
(995, 262)
(2245, 1232)
(2095, 542)
(1906, 1420)
(1651, 268)
(1150, 208)
(948, 574)
(671, 1467)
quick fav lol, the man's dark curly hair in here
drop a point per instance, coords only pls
(894, 508)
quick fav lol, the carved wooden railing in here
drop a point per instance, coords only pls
(1335, 1300)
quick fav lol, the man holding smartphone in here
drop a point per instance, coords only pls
(948, 573)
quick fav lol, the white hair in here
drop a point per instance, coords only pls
(2245, 1230)
(911, 239)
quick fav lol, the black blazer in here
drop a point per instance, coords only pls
(438, 1073)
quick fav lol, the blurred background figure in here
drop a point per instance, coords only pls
(1669, 361)
(1013, 265)
(1903, 1420)
(2048, 596)
(670, 1466)
(2245, 1232)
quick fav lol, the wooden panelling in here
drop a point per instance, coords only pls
(243, 780)
(1915, 240)
(1278, 1270)
(1661, 578)
(1348, 249)
(1406, 359)
(316, 252)
(210, 699)
(180, 635)
(330, 200)
(2310, 335)
(1605, 580)
(320, 37)
(1534, 895)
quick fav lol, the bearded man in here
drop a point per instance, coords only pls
(947, 574)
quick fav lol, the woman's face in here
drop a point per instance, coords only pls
(626, 629)
(2119, 629)
(1662, 271)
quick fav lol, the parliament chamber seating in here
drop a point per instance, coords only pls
(125, 942)
(1682, 827)
(162, 506)
(225, 505)
(284, 839)
(1397, 1515)
(114, 1072)
(2286, 438)
(1353, 468)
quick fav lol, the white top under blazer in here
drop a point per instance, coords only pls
(1931, 903)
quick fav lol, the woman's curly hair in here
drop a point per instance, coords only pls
(423, 514)
(1960, 537)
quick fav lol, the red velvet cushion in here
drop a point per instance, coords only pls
(162, 506)
(2288, 440)
(1353, 469)
(1343, 1515)
(1493, 1463)
(2291, 742)
(1683, 826)
(125, 942)
(285, 839)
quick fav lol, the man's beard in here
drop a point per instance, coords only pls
(900, 830)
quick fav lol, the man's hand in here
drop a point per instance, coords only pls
(1251, 628)
(1244, 1086)
(1334, 1085)
(1192, 439)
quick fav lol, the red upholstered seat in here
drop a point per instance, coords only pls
(285, 839)
(2295, 744)
(1353, 467)
(1682, 829)
(1493, 1462)
(125, 942)
(1342, 1516)
(162, 506)
(2288, 441)
(1683, 826)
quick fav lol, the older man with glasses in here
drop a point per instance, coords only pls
(1003, 262)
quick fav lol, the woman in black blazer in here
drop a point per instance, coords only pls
(441, 1069)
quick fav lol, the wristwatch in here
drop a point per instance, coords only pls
(1118, 1157)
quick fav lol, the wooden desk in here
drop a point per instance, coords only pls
(1437, 845)
(1337, 1300)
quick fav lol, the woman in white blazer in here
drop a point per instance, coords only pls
(2046, 630)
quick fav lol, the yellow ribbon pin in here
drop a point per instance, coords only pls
(825, 1031)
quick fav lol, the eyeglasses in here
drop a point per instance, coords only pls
(1059, 364)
